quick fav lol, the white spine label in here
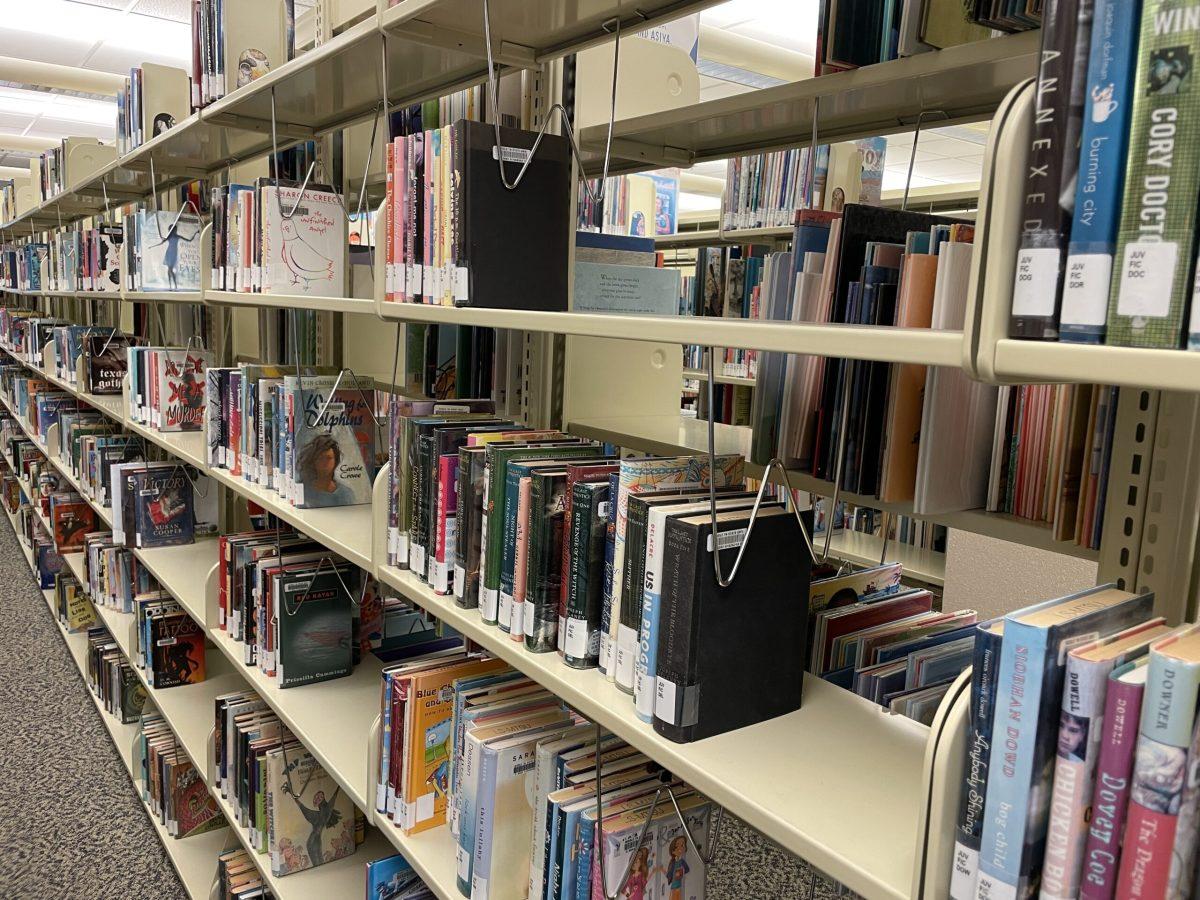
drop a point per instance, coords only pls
(1037, 282)
(577, 638)
(664, 701)
(1147, 273)
(1085, 289)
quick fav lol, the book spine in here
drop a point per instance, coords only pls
(1160, 773)
(508, 556)
(1045, 222)
(1110, 797)
(576, 642)
(631, 596)
(675, 702)
(1101, 170)
(521, 561)
(1152, 282)
(984, 678)
(645, 679)
(1011, 761)
(1084, 689)
(485, 807)
(568, 548)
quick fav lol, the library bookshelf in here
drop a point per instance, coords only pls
(904, 778)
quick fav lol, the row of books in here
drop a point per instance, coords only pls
(521, 525)
(153, 100)
(1051, 460)
(514, 838)
(861, 33)
(1107, 251)
(112, 678)
(444, 194)
(285, 237)
(902, 529)
(277, 790)
(234, 43)
(765, 189)
(1083, 735)
(889, 643)
(732, 404)
(238, 877)
(171, 785)
(52, 165)
(644, 204)
(294, 607)
(308, 436)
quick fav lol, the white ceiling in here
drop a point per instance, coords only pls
(102, 35)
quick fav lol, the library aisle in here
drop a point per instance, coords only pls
(73, 827)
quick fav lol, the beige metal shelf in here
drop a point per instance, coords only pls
(291, 301)
(766, 773)
(702, 375)
(1034, 361)
(917, 345)
(927, 566)
(675, 434)
(966, 82)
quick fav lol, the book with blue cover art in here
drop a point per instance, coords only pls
(1100, 181)
(1025, 728)
(162, 506)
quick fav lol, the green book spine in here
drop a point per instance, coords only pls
(1151, 287)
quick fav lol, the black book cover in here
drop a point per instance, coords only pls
(514, 244)
(162, 502)
(731, 657)
(586, 574)
(1046, 223)
(106, 362)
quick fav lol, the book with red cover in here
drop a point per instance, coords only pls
(72, 519)
(177, 653)
(833, 623)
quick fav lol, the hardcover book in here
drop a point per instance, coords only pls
(170, 251)
(1021, 768)
(1152, 277)
(177, 650)
(303, 240)
(105, 363)
(311, 821)
(315, 627)
(180, 389)
(162, 507)
(334, 450)
(705, 629)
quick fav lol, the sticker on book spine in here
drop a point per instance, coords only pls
(517, 620)
(664, 700)
(460, 581)
(576, 644)
(1147, 274)
(488, 600)
(1036, 284)
(504, 606)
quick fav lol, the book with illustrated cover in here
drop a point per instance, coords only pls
(106, 277)
(315, 626)
(1021, 767)
(71, 519)
(303, 240)
(334, 445)
(162, 507)
(133, 695)
(180, 389)
(195, 808)
(1154, 261)
(170, 251)
(105, 362)
(177, 652)
(310, 819)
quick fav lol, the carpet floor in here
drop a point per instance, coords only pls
(75, 828)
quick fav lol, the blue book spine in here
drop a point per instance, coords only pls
(485, 814)
(554, 857)
(1100, 183)
(570, 855)
(975, 771)
(583, 867)
(1010, 762)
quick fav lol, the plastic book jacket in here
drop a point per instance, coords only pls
(170, 251)
(195, 808)
(178, 653)
(312, 820)
(335, 449)
(303, 241)
(392, 878)
(106, 362)
(163, 508)
(314, 627)
(181, 389)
